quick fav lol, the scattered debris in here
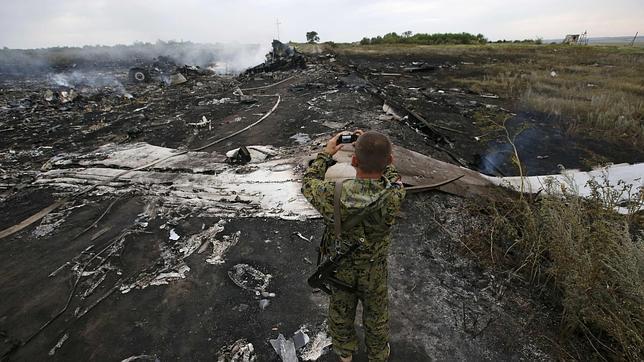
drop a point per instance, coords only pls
(249, 278)
(578, 180)
(244, 98)
(173, 235)
(300, 338)
(256, 153)
(199, 180)
(420, 67)
(171, 266)
(48, 224)
(263, 303)
(175, 79)
(164, 70)
(139, 75)
(267, 295)
(166, 277)
(334, 125)
(142, 357)
(62, 340)
(386, 74)
(281, 57)
(220, 247)
(203, 123)
(284, 348)
(299, 235)
(391, 112)
(216, 102)
(240, 155)
(240, 351)
(317, 347)
(176, 185)
(301, 138)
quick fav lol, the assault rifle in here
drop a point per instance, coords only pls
(324, 276)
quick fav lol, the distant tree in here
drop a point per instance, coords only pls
(391, 38)
(481, 38)
(406, 34)
(312, 37)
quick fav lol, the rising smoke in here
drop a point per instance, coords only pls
(88, 82)
(230, 58)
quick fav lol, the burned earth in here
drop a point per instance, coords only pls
(171, 224)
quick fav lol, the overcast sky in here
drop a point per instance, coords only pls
(31, 23)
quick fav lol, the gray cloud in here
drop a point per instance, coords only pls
(31, 23)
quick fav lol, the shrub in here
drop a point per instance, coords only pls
(591, 255)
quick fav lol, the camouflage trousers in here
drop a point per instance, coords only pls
(370, 281)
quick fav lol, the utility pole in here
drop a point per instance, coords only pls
(277, 24)
(635, 37)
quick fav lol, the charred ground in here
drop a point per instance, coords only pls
(443, 304)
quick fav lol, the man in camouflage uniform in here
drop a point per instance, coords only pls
(378, 189)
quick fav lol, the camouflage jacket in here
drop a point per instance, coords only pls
(374, 229)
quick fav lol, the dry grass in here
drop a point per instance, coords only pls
(595, 90)
(591, 255)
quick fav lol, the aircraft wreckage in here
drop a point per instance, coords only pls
(269, 184)
(194, 185)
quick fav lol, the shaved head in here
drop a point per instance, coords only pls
(373, 151)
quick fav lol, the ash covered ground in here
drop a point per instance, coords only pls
(173, 261)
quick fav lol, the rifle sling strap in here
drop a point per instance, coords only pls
(337, 218)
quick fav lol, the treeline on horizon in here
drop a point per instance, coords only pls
(437, 39)
(425, 39)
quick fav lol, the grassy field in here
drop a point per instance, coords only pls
(595, 90)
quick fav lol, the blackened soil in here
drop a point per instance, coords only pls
(466, 126)
(191, 318)
(443, 306)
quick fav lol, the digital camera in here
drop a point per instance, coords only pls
(347, 138)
